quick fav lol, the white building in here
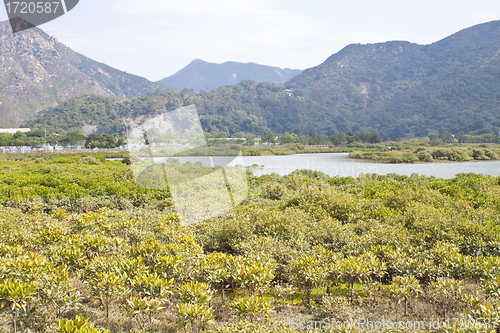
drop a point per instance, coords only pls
(14, 130)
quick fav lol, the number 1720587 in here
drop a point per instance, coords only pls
(26, 7)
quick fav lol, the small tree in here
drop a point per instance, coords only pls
(194, 309)
(255, 276)
(143, 309)
(152, 285)
(61, 296)
(446, 290)
(402, 288)
(359, 270)
(106, 286)
(150, 293)
(16, 297)
(492, 287)
(251, 307)
(194, 315)
(307, 273)
(195, 292)
(283, 291)
(78, 325)
(216, 269)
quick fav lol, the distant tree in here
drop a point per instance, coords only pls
(110, 141)
(33, 142)
(364, 135)
(338, 139)
(375, 137)
(95, 141)
(350, 137)
(54, 139)
(268, 138)
(446, 137)
(19, 139)
(37, 132)
(120, 142)
(6, 139)
(434, 140)
(238, 135)
(19, 135)
(288, 138)
(72, 139)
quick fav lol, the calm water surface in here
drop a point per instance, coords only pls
(342, 165)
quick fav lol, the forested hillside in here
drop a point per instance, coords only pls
(397, 88)
(407, 89)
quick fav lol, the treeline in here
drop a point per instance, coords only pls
(362, 136)
(455, 154)
(262, 108)
(37, 138)
(485, 138)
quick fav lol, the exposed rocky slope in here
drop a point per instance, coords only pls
(36, 71)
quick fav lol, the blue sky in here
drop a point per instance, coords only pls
(156, 38)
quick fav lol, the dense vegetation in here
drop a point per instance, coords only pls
(404, 89)
(398, 89)
(38, 137)
(420, 154)
(83, 249)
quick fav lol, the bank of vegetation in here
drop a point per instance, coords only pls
(84, 249)
(459, 153)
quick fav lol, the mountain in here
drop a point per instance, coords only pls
(406, 89)
(201, 75)
(398, 88)
(36, 71)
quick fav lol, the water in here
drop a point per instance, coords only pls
(342, 165)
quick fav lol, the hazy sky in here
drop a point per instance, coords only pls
(156, 38)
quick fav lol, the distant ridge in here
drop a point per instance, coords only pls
(201, 75)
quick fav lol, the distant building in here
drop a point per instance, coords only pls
(227, 139)
(14, 130)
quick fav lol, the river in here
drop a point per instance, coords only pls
(339, 164)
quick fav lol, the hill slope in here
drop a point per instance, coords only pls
(407, 89)
(37, 71)
(201, 75)
(398, 88)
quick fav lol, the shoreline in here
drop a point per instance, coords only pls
(364, 160)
